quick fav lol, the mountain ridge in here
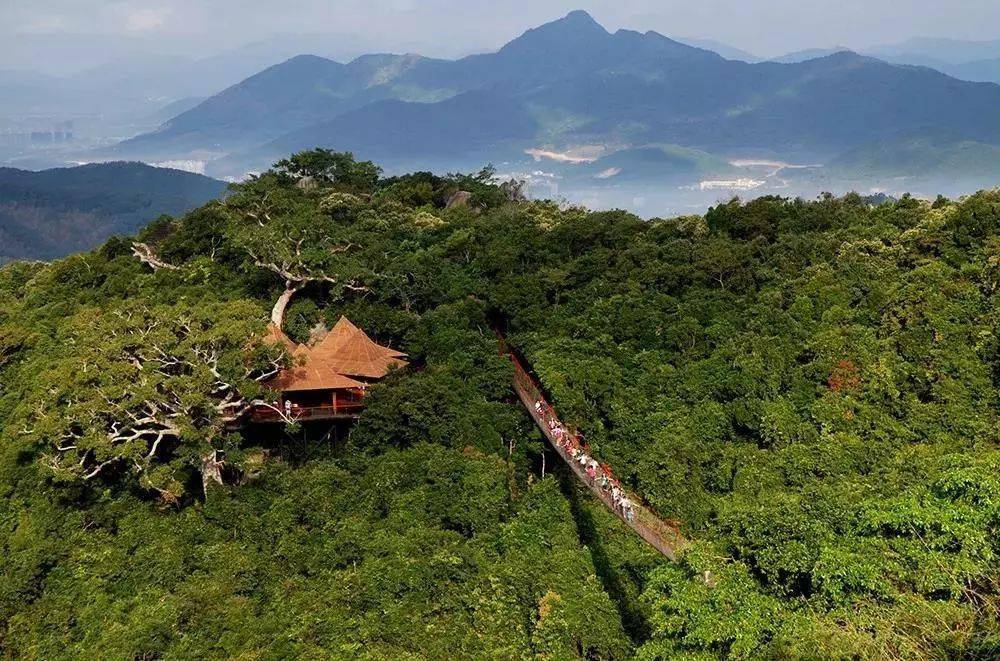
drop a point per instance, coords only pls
(581, 84)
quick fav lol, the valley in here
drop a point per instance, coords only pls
(635, 110)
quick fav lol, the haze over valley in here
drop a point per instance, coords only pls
(624, 118)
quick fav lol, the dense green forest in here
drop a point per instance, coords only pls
(808, 388)
(52, 213)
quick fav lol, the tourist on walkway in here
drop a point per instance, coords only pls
(627, 510)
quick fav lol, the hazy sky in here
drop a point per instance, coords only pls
(451, 27)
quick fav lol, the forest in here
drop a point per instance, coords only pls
(52, 213)
(808, 388)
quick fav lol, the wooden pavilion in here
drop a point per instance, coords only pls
(328, 380)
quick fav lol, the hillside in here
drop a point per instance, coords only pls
(580, 85)
(473, 126)
(809, 389)
(279, 99)
(923, 154)
(651, 164)
(52, 213)
(295, 94)
(987, 71)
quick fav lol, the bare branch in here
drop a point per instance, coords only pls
(148, 257)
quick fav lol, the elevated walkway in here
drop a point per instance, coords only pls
(661, 535)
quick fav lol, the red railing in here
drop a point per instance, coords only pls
(297, 413)
(661, 535)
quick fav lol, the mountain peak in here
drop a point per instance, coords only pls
(577, 21)
(575, 28)
(581, 17)
(307, 59)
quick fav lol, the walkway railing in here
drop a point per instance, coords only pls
(306, 413)
(661, 535)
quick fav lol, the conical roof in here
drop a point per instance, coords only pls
(348, 350)
(341, 332)
(275, 335)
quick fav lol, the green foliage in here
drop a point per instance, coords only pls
(51, 213)
(809, 388)
(339, 169)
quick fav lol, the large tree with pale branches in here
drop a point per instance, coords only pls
(286, 232)
(146, 390)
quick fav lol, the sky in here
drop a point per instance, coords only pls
(65, 33)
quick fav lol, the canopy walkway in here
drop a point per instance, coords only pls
(661, 535)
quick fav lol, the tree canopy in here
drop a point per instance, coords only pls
(808, 387)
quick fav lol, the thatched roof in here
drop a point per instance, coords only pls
(345, 352)
(348, 350)
(275, 335)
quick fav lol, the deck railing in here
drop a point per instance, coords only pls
(663, 536)
(306, 413)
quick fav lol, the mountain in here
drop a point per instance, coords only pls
(566, 84)
(922, 156)
(55, 212)
(297, 93)
(976, 61)
(983, 71)
(308, 89)
(120, 92)
(477, 125)
(936, 50)
(654, 164)
(175, 108)
(809, 54)
(725, 50)
(279, 99)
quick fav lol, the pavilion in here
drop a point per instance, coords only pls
(328, 380)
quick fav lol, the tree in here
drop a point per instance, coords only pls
(146, 390)
(338, 169)
(285, 232)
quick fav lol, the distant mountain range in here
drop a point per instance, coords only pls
(810, 54)
(937, 50)
(973, 61)
(52, 213)
(571, 84)
(133, 88)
